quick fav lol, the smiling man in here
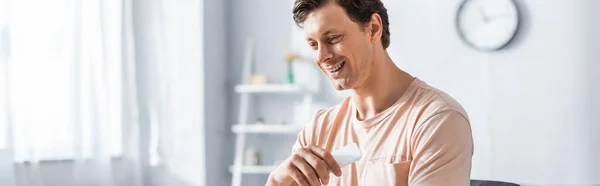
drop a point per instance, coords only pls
(409, 133)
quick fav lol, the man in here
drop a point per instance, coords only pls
(409, 133)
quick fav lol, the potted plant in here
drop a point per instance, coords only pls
(290, 57)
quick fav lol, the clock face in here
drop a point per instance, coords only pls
(487, 24)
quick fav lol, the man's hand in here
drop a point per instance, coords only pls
(308, 166)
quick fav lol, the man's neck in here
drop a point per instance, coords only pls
(386, 84)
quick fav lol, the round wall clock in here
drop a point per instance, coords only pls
(487, 25)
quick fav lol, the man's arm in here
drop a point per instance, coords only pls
(308, 164)
(442, 148)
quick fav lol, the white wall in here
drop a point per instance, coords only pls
(218, 136)
(592, 32)
(530, 103)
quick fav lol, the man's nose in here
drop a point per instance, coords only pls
(323, 54)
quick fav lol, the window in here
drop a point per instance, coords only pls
(61, 89)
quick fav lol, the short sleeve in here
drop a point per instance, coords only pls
(306, 135)
(442, 149)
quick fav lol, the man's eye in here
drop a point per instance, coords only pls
(313, 45)
(334, 39)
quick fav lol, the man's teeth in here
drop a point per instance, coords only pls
(337, 67)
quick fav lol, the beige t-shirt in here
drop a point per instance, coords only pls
(423, 139)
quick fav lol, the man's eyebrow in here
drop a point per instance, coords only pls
(329, 32)
(324, 34)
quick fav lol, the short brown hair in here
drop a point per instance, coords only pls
(359, 11)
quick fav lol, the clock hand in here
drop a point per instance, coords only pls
(481, 12)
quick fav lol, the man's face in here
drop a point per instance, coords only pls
(341, 47)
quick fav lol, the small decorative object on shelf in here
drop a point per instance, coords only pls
(302, 71)
(260, 120)
(290, 57)
(251, 156)
(258, 79)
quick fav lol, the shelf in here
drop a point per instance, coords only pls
(269, 88)
(260, 169)
(266, 128)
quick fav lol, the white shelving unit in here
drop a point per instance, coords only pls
(243, 127)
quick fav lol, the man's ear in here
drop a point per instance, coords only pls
(375, 27)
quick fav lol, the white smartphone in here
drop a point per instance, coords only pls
(347, 155)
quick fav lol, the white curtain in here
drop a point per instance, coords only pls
(169, 53)
(69, 104)
(100, 92)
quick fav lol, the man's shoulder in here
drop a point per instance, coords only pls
(430, 101)
(322, 123)
(323, 116)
